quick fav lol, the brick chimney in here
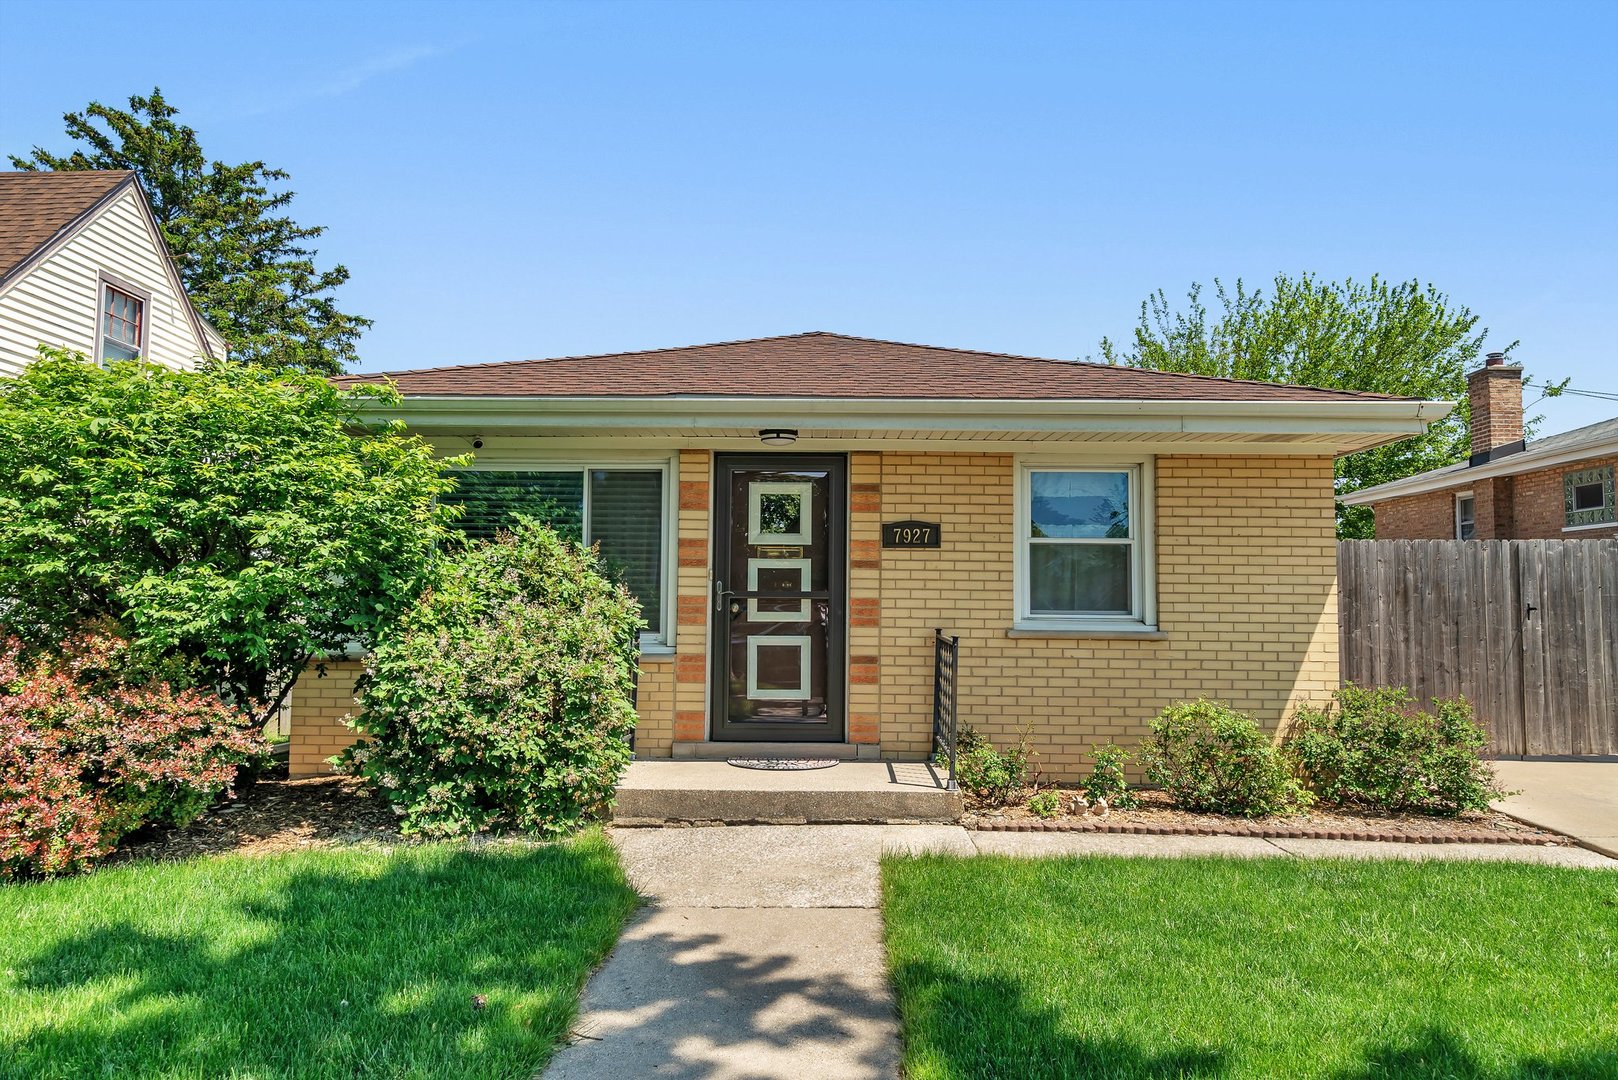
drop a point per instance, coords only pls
(1495, 393)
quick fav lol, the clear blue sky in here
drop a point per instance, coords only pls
(511, 181)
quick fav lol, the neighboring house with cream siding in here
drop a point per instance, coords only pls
(799, 514)
(84, 267)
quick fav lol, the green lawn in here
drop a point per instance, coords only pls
(338, 963)
(1105, 967)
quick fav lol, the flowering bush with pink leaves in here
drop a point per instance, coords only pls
(88, 754)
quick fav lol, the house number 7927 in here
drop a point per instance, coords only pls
(910, 534)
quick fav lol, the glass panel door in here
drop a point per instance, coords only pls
(779, 559)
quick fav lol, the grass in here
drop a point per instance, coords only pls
(336, 963)
(1351, 970)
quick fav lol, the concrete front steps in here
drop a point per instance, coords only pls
(669, 792)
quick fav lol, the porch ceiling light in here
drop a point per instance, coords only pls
(778, 436)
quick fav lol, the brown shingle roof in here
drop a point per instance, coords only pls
(35, 207)
(832, 366)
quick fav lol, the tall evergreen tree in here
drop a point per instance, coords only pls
(246, 264)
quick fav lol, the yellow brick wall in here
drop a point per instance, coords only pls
(1246, 572)
(320, 700)
(1246, 589)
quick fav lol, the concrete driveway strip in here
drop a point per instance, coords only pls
(1579, 798)
(739, 994)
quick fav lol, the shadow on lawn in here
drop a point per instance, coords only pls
(336, 974)
(986, 1028)
(1437, 1055)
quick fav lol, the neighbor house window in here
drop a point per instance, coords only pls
(1588, 497)
(1081, 546)
(621, 509)
(123, 323)
(1465, 516)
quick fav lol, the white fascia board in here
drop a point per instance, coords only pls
(675, 414)
(1520, 462)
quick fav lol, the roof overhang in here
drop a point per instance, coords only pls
(1527, 460)
(1334, 426)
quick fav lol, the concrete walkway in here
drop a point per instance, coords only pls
(759, 955)
(1579, 798)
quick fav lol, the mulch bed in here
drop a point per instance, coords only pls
(1157, 817)
(274, 815)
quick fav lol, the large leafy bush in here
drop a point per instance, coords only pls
(1212, 759)
(87, 755)
(1376, 748)
(503, 699)
(240, 520)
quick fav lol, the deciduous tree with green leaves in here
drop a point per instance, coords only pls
(241, 520)
(246, 264)
(1387, 337)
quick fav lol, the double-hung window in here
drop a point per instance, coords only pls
(121, 322)
(620, 508)
(1466, 517)
(1082, 540)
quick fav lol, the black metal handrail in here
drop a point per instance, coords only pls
(946, 658)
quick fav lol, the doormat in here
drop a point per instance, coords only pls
(782, 764)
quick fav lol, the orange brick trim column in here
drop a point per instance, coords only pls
(691, 635)
(865, 598)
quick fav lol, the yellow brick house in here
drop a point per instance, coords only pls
(799, 517)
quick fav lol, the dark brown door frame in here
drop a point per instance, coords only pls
(836, 729)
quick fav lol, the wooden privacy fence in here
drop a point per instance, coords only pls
(1527, 630)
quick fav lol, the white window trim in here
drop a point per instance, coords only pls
(104, 281)
(1459, 495)
(650, 644)
(1143, 563)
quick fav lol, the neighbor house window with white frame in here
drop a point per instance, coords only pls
(1082, 547)
(620, 508)
(122, 324)
(1466, 520)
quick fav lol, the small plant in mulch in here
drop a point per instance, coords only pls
(990, 776)
(1045, 804)
(1106, 786)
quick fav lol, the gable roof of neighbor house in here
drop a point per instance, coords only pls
(824, 365)
(1599, 439)
(39, 211)
(37, 208)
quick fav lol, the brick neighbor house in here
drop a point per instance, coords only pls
(1559, 487)
(798, 515)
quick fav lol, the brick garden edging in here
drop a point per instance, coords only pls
(1262, 832)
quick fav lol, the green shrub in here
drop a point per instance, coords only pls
(1106, 779)
(1212, 759)
(989, 775)
(235, 520)
(503, 699)
(1376, 748)
(1045, 804)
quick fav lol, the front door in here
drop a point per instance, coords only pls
(779, 557)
